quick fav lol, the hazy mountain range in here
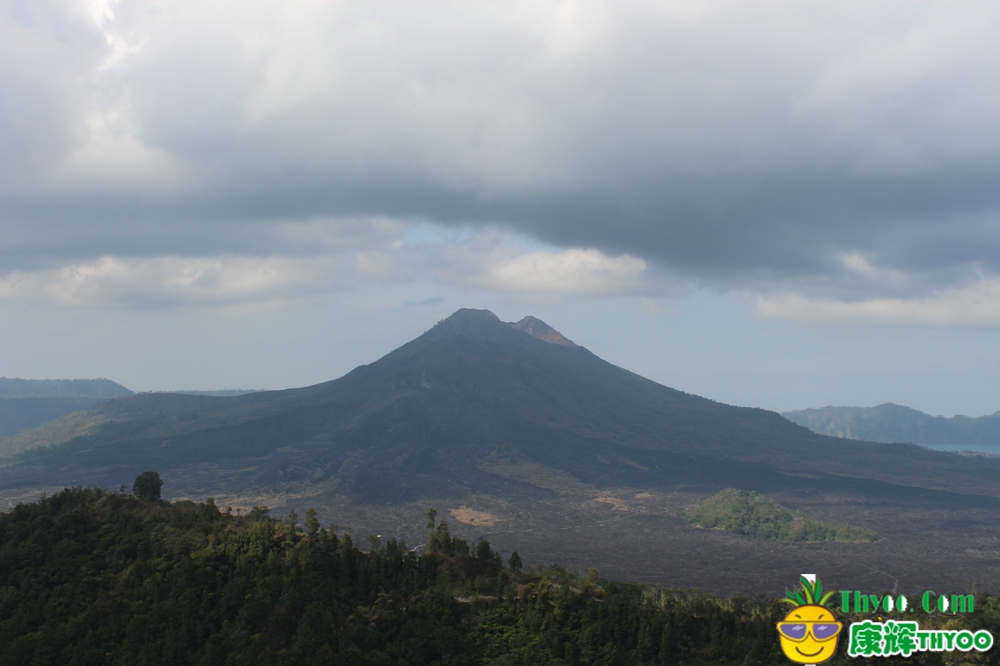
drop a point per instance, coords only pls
(895, 423)
(97, 389)
(27, 403)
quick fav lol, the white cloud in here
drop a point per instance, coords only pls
(900, 102)
(112, 156)
(332, 256)
(174, 281)
(500, 262)
(572, 271)
(100, 11)
(973, 306)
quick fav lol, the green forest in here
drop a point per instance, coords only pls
(753, 515)
(91, 576)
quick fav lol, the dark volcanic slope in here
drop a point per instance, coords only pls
(20, 414)
(474, 404)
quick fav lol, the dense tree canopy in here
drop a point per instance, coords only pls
(94, 577)
(751, 514)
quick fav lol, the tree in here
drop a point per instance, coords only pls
(439, 540)
(147, 486)
(312, 524)
(515, 562)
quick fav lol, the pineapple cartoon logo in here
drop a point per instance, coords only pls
(809, 633)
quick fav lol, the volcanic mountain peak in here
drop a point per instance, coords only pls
(475, 324)
(467, 318)
(542, 331)
(484, 325)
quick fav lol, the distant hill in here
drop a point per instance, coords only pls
(895, 423)
(99, 389)
(27, 403)
(222, 393)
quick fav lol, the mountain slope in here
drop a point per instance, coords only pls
(472, 405)
(895, 423)
(20, 414)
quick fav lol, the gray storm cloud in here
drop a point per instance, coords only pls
(848, 149)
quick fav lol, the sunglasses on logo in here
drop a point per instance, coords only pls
(821, 631)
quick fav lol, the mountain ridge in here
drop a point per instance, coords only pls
(889, 422)
(100, 389)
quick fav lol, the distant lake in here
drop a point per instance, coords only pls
(982, 448)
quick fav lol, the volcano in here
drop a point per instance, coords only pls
(473, 404)
(519, 435)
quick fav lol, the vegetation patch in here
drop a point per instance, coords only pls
(751, 514)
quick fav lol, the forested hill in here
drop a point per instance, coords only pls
(895, 423)
(97, 577)
(92, 577)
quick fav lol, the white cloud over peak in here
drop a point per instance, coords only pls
(323, 257)
(571, 271)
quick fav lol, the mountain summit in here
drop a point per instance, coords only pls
(485, 325)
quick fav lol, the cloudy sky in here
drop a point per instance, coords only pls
(773, 204)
